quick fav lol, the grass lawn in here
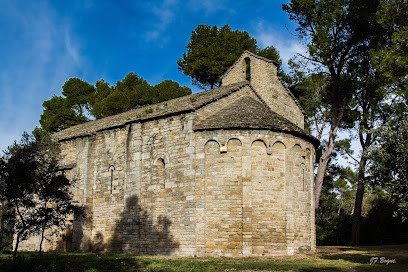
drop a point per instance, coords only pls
(326, 259)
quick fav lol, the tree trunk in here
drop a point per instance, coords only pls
(355, 228)
(324, 160)
(16, 247)
(19, 233)
(41, 242)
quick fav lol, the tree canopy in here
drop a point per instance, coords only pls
(81, 101)
(57, 115)
(34, 190)
(340, 35)
(212, 50)
(392, 59)
(77, 93)
(129, 93)
(356, 64)
(389, 163)
(388, 156)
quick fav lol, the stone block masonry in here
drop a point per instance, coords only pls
(225, 172)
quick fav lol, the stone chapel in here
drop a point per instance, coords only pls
(223, 172)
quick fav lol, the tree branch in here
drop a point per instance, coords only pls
(351, 156)
(308, 58)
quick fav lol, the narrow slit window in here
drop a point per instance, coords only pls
(111, 170)
(248, 69)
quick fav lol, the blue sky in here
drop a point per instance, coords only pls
(44, 43)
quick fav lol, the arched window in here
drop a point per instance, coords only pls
(159, 172)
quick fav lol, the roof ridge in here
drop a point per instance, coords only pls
(258, 96)
(226, 106)
(291, 94)
(255, 115)
(170, 107)
(260, 57)
(240, 57)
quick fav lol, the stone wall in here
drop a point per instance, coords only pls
(160, 188)
(135, 202)
(252, 194)
(157, 186)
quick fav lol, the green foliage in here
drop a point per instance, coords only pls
(389, 163)
(167, 90)
(392, 59)
(340, 34)
(380, 225)
(342, 148)
(337, 195)
(388, 159)
(57, 115)
(334, 232)
(34, 190)
(310, 91)
(334, 218)
(102, 90)
(211, 51)
(271, 53)
(130, 93)
(77, 93)
(148, 110)
(82, 99)
(63, 112)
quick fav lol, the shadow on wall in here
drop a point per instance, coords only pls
(71, 238)
(137, 233)
(77, 240)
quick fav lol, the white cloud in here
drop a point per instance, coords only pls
(163, 14)
(287, 45)
(71, 48)
(41, 54)
(206, 6)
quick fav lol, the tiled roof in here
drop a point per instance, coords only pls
(171, 107)
(247, 113)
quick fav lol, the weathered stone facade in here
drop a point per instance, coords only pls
(227, 172)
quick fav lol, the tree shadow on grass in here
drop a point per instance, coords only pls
(51, 261)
